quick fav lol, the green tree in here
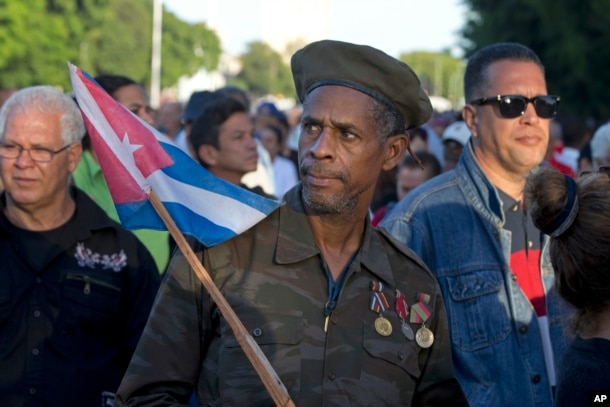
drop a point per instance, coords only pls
(570, 36)
(186, 48)
(440, 73)
(37, 37)
(263, 71)
(124, 45)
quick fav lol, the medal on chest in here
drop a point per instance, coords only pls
(379, 304)
(420, 313)
(402, 310)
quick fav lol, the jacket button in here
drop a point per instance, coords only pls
(257, 332)
(401, 355)
(523, 329)
(536, 378)
(331, 376)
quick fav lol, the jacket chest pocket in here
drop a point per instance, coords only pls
(92, 300)
(278, 335)
(478, 310)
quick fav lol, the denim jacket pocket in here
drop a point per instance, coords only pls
(478, 310)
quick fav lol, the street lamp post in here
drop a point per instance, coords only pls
(155, 65)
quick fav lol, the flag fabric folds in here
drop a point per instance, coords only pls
(136, 158)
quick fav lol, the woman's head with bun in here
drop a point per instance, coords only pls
(576, 214)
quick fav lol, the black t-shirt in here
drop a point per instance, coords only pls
(39, 247)
(526, 243)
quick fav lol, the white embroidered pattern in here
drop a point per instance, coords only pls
(86, 257)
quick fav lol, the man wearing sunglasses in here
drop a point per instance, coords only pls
(470, 227)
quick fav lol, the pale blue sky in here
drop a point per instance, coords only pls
(394, 26)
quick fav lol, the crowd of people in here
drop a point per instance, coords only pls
(418, 258)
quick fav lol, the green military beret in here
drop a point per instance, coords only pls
(365, 69)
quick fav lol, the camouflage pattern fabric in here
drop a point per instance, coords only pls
(273, 277)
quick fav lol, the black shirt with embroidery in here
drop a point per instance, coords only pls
(73, 303)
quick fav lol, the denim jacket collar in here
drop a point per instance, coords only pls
(478, 188)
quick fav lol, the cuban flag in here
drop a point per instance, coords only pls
(136, 158)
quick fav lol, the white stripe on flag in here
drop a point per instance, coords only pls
(90, 108)
(219, 209)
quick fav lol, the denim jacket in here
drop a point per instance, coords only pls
(454, 222)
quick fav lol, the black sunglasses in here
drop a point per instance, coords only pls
(512, 106)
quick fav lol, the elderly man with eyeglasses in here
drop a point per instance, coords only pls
(75, 288)
(470, 227)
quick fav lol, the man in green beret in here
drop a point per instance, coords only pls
(345, 314)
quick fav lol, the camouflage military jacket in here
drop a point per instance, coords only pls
(274, 279)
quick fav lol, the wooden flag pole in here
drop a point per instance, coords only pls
(261, 364)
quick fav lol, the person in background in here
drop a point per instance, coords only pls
(409, 175)
(600, 146)
(469, 225)
(575, 134)
(585, 158)
(263, 176)
(75, 287)
(418, 140)
(88, 175)
(169, 119)
(284, 170)
(385, 190)
(324, 294)
(268, 114)
(222, 138)
(455, 137)
(576, 214)
(195, 105)
(435, 127)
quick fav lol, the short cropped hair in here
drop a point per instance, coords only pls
(206, 128)
(112, 83)
(476, 78)
(46, 99)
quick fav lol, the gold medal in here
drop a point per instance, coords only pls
(383, 326)
(424, 337)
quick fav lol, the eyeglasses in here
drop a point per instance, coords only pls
(512, 106)
(38, 154)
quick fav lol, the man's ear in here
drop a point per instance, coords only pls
(469, 113)
(396, 146)
(74, 154)
(208, 154)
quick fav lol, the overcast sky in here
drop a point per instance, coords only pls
(394, 26)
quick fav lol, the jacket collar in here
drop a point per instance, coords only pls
(296, 242)
(478, 188)
(88, 215)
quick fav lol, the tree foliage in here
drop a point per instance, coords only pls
(263, 71)
(37, 37)
(570, 36)
(440, 73)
